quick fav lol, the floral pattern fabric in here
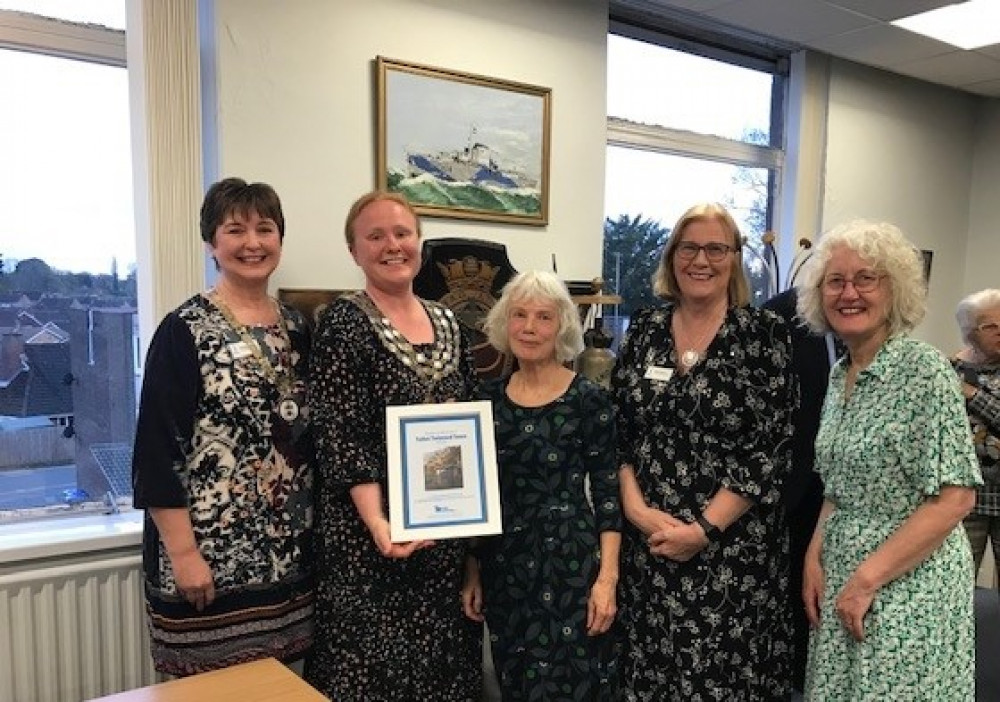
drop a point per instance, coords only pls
(716, 627)
(209, 438)
(537, 575)
(900, 436)
(386, 629)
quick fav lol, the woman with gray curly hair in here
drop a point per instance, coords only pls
(887, 582)
(978, 365)
(547, 584)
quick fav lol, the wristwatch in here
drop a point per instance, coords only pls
(711, 531)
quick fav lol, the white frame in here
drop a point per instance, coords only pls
(470, 506)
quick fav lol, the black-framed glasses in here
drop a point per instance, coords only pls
(988, 327)
(863, 282)
(688, 251)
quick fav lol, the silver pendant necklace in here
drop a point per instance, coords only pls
(692, 355)
(690, 358)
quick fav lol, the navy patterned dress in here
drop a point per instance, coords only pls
(716, 627)
(210, 438)
(537, 575)
(386, 629)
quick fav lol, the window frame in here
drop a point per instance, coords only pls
(161, 52)
(670, 32)
(48, 534)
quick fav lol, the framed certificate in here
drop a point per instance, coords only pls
(442, 471)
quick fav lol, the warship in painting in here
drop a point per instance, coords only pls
(475, 163)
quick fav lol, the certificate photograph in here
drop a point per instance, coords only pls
(442, 471)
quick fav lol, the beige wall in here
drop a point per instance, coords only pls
(902, 150)
(982, 254)
(294, 84)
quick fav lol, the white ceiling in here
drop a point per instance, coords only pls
(857, 30)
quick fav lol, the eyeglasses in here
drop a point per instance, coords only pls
(988, 327)
(688, 251)
(863, 282)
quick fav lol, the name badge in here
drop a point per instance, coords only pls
(239, 350)
(659, 373)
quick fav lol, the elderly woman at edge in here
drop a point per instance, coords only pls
(888, 575)
(979, 367)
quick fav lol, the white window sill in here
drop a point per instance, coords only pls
(47, 538)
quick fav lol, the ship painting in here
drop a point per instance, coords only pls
(461, 145)
(470, 178)
(476, 164)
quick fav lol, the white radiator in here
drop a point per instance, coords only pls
(73, 630)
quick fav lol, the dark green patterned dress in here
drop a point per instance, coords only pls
(537, 575)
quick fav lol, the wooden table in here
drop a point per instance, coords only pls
(260, 681)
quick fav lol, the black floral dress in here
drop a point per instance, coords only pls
(210, 438)
(716, 627)
(537, 575)
(386, 629)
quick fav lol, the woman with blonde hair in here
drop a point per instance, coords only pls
(389, 624)
(888, 580)
(705, 393)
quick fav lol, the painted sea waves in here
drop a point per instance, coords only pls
(431, 190)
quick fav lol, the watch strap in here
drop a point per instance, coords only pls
(711, 531)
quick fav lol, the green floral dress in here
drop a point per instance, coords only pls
(900, 437)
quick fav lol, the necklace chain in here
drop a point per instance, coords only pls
(284, 379)
(430, 366)
(694, 352)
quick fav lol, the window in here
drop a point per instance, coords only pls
(682, 129)
(68, 296)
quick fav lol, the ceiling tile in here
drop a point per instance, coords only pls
(695, 5)
(801, 21)
(955, 68)
(989, 88)
(882, 45)
(855, 30)
(991, 51)
(890, 9)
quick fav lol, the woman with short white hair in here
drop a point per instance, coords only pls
(546, 586)
(978, 365)
(888, 580)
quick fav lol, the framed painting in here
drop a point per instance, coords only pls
(463, 146)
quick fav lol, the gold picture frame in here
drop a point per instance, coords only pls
(461, 145)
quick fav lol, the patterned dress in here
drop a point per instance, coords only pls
(983, 409)
(901, 436)
(537, 575)
(716, 627)
(386, 629)
(209, 438)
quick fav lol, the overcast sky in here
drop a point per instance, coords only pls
(66, 181)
